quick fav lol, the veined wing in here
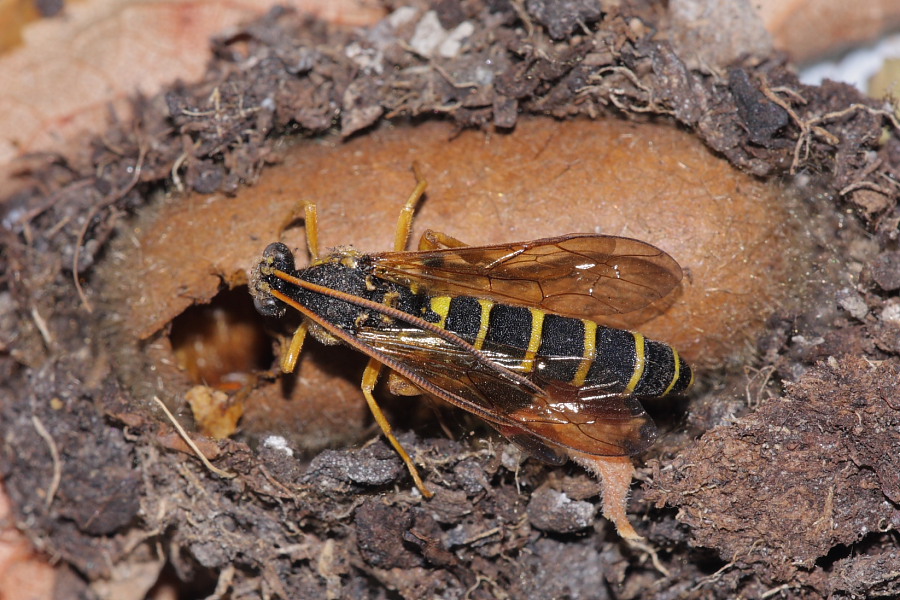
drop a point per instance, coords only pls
(578, 275)
(585, 419)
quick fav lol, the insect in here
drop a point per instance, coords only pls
(508, 332)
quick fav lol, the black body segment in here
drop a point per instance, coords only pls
(659, 370)
(510, 328)
(562, 337)
(345, 315)
(685, 377)
(616, 360)
(464, 318)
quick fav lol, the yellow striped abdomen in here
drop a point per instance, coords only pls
(564, 349)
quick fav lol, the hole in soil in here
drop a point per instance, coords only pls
(219, 344)
(171, 585)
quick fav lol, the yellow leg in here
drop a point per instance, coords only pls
(370, 378)
(433, 240)
(311, 221)
(401, 386)
(289, 220)
(404, 223)
(291, 354)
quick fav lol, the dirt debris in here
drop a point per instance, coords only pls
(814, 460)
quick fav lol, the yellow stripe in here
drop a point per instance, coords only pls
(640, 361)
(677, 371)
(486, 306)
(589, 354)
(534, 342)
(441, 305)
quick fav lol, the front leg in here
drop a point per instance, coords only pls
(291, 353)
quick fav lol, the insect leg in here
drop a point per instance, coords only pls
(290, 354)
(370, 378)
(404, 223)
(311, 222)
(401, 386)
(434, 240)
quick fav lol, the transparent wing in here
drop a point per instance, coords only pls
(578, 275)
(586, 419)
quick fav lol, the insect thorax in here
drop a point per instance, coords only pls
(352, 275)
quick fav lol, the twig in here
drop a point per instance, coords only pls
(620, 98)
(714, 577)
(762, 376)
(176, 178)
(187, 440)
(803, 138)
(55, 197)
(54, 454)
(878, 112)
(224, 583)
(863, 183)
(654, 557)
(808, 127)
(718, 574)
(776, 590)
(480, 536)
(42, 327)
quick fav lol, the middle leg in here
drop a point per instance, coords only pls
(370, 378)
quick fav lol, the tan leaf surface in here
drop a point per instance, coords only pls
(74, 69)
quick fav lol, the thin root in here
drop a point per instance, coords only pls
(187, 440)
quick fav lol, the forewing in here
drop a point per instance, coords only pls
(585, 419)
(580, 275)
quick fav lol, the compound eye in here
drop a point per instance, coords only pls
(269, 306)
(279, 256)
(276, 257)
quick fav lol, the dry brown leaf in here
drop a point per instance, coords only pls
(74, 70)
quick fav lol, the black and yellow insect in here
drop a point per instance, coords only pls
(508, 332)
